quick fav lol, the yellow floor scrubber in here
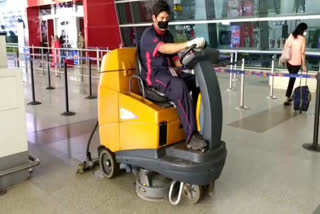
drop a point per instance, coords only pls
(140, 129)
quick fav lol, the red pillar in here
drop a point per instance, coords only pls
(34, 26)
(101, 24)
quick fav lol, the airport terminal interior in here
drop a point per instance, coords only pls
(79, 132)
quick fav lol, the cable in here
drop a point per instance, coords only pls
(89, 142)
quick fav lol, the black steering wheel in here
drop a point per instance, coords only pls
(187, 51)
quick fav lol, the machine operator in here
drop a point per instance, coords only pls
(158, 53)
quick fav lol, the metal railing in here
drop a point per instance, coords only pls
(57, 54)
(234, 62)
(94, 55)
(30, 56)
(271, 52)
(232, 71)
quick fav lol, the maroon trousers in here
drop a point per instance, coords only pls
(177, 90)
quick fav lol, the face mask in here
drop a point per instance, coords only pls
(305, 33)
(163, 25)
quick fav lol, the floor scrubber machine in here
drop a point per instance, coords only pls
(140, 130)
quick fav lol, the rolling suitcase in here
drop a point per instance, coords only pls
(301, 98)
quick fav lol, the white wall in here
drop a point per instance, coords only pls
(13, 137)
(10, 11)
(3, 52)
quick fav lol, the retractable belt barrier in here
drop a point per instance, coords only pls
(312, 147)
(308, 146)
(264, 74)
(29, 56)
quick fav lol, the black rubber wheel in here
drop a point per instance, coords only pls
(210, 188)
(3, 192)
(108, 165)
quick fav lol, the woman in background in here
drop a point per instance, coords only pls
(56, 45)
(297, 42)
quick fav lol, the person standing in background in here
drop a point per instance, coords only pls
(297, 42)
(80, 45)
(56, 45)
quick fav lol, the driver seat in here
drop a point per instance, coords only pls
(150, 92)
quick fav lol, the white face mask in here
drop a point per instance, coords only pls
(305, 33)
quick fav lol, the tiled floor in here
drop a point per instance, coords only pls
(267, 170)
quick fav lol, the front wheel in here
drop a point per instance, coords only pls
(108, 165)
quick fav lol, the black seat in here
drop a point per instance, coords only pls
(150, 93)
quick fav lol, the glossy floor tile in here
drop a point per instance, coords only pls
(269, 118)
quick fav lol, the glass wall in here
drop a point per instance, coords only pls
(227, 24)
(11, 14)
(140, 11)
(64, 20)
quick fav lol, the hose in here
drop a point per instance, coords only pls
(179, 194)
(89, 142)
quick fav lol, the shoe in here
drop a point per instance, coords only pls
(197, 143)
(288, 101)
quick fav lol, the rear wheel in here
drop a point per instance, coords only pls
(108, 165)
(193, 192)
(210, 188)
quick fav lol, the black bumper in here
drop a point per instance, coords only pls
(178, 163)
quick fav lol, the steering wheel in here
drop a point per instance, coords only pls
(187, 51)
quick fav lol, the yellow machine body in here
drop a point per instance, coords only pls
(127, 121)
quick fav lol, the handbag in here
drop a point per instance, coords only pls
(286, 52)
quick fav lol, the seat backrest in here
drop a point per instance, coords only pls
(150, 92)
(140, 65)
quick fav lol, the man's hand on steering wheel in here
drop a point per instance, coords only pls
(199, 42)
(196, 44)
